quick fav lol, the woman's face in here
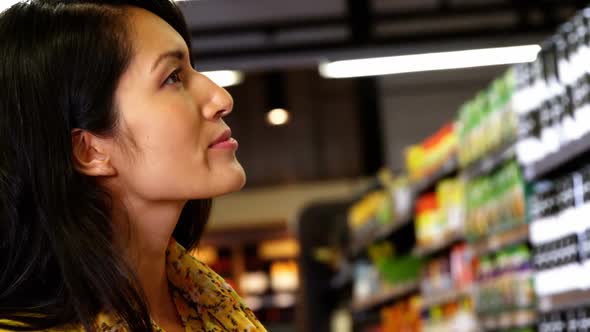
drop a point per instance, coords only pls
(181, 148)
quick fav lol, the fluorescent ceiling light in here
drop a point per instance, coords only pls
(225, 78)
(7, 4)
(429, 61)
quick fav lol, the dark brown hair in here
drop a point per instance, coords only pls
(60, 63)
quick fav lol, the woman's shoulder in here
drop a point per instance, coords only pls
(8, 323)
(104, 323)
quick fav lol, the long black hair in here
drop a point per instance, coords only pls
(60, 63)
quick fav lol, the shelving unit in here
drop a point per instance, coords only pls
(440, 246)
(564, 300)
(446, 297)
(510, 321)
(448, 169)
(506, 255)
(388, 295)
(490, 162)
(501, 240)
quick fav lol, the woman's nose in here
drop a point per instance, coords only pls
(219, 104)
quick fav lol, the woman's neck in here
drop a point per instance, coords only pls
(148, 228)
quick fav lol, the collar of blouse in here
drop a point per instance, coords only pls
(205, 302)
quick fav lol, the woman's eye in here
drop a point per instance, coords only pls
(173, 78)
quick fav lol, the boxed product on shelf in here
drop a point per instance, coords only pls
(399, 188)
(496, 202)
(451, 317)
(367, 209)
(384, 271)
(393, 269)
(440, 215)
(488, 121)
(428, 220)
(403, 316)
(366, 281)
(505, 286)
(454, 272)
(426, 158)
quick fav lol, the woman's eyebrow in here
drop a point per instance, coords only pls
(176, 54)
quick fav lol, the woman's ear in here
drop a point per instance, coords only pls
(91, 154)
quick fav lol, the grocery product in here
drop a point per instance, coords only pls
(427, 157)
(505, 282)
(576, 318)
(552, 93)
(496, 202)
(379, 209)
(556, 253)
(488, 121)
(428, 220)
(560, 207)
(394, 270)
(454, 271)
(440, 215)
(451, 317)
(384, 270)
(403, 316)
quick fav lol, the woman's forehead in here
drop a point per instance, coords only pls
(151, 35)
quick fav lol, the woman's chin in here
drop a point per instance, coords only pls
(234, 180)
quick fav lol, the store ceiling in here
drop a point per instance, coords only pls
(264, 34)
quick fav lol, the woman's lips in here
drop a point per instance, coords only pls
(229, 143)
(224, 141)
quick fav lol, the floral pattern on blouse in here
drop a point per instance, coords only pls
(204, 301)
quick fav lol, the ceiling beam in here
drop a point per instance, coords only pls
(439, 36)
(360, 21)
(443, 11)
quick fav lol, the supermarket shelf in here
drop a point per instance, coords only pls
(385, 297)
(509, 320)
(446, 297)
(380, 234)
(565, 300)
(555, 160)
(448, 169)
(490, 162)
(516, 235)
(440, 246)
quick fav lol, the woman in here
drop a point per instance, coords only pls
(111, 147)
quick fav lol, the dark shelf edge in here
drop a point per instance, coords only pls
(491, 162)
(386, 296)
(449, 168)
(556, 160)
(401, 222)
(529, 322)
(447, 297)
(564, 300)
(428, 251)
(516, 235)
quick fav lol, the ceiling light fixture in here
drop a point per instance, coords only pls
(225, 78)
(7, 4)
(278, 117)
(429, 61)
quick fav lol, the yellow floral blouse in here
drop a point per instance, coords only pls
(205, 302)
